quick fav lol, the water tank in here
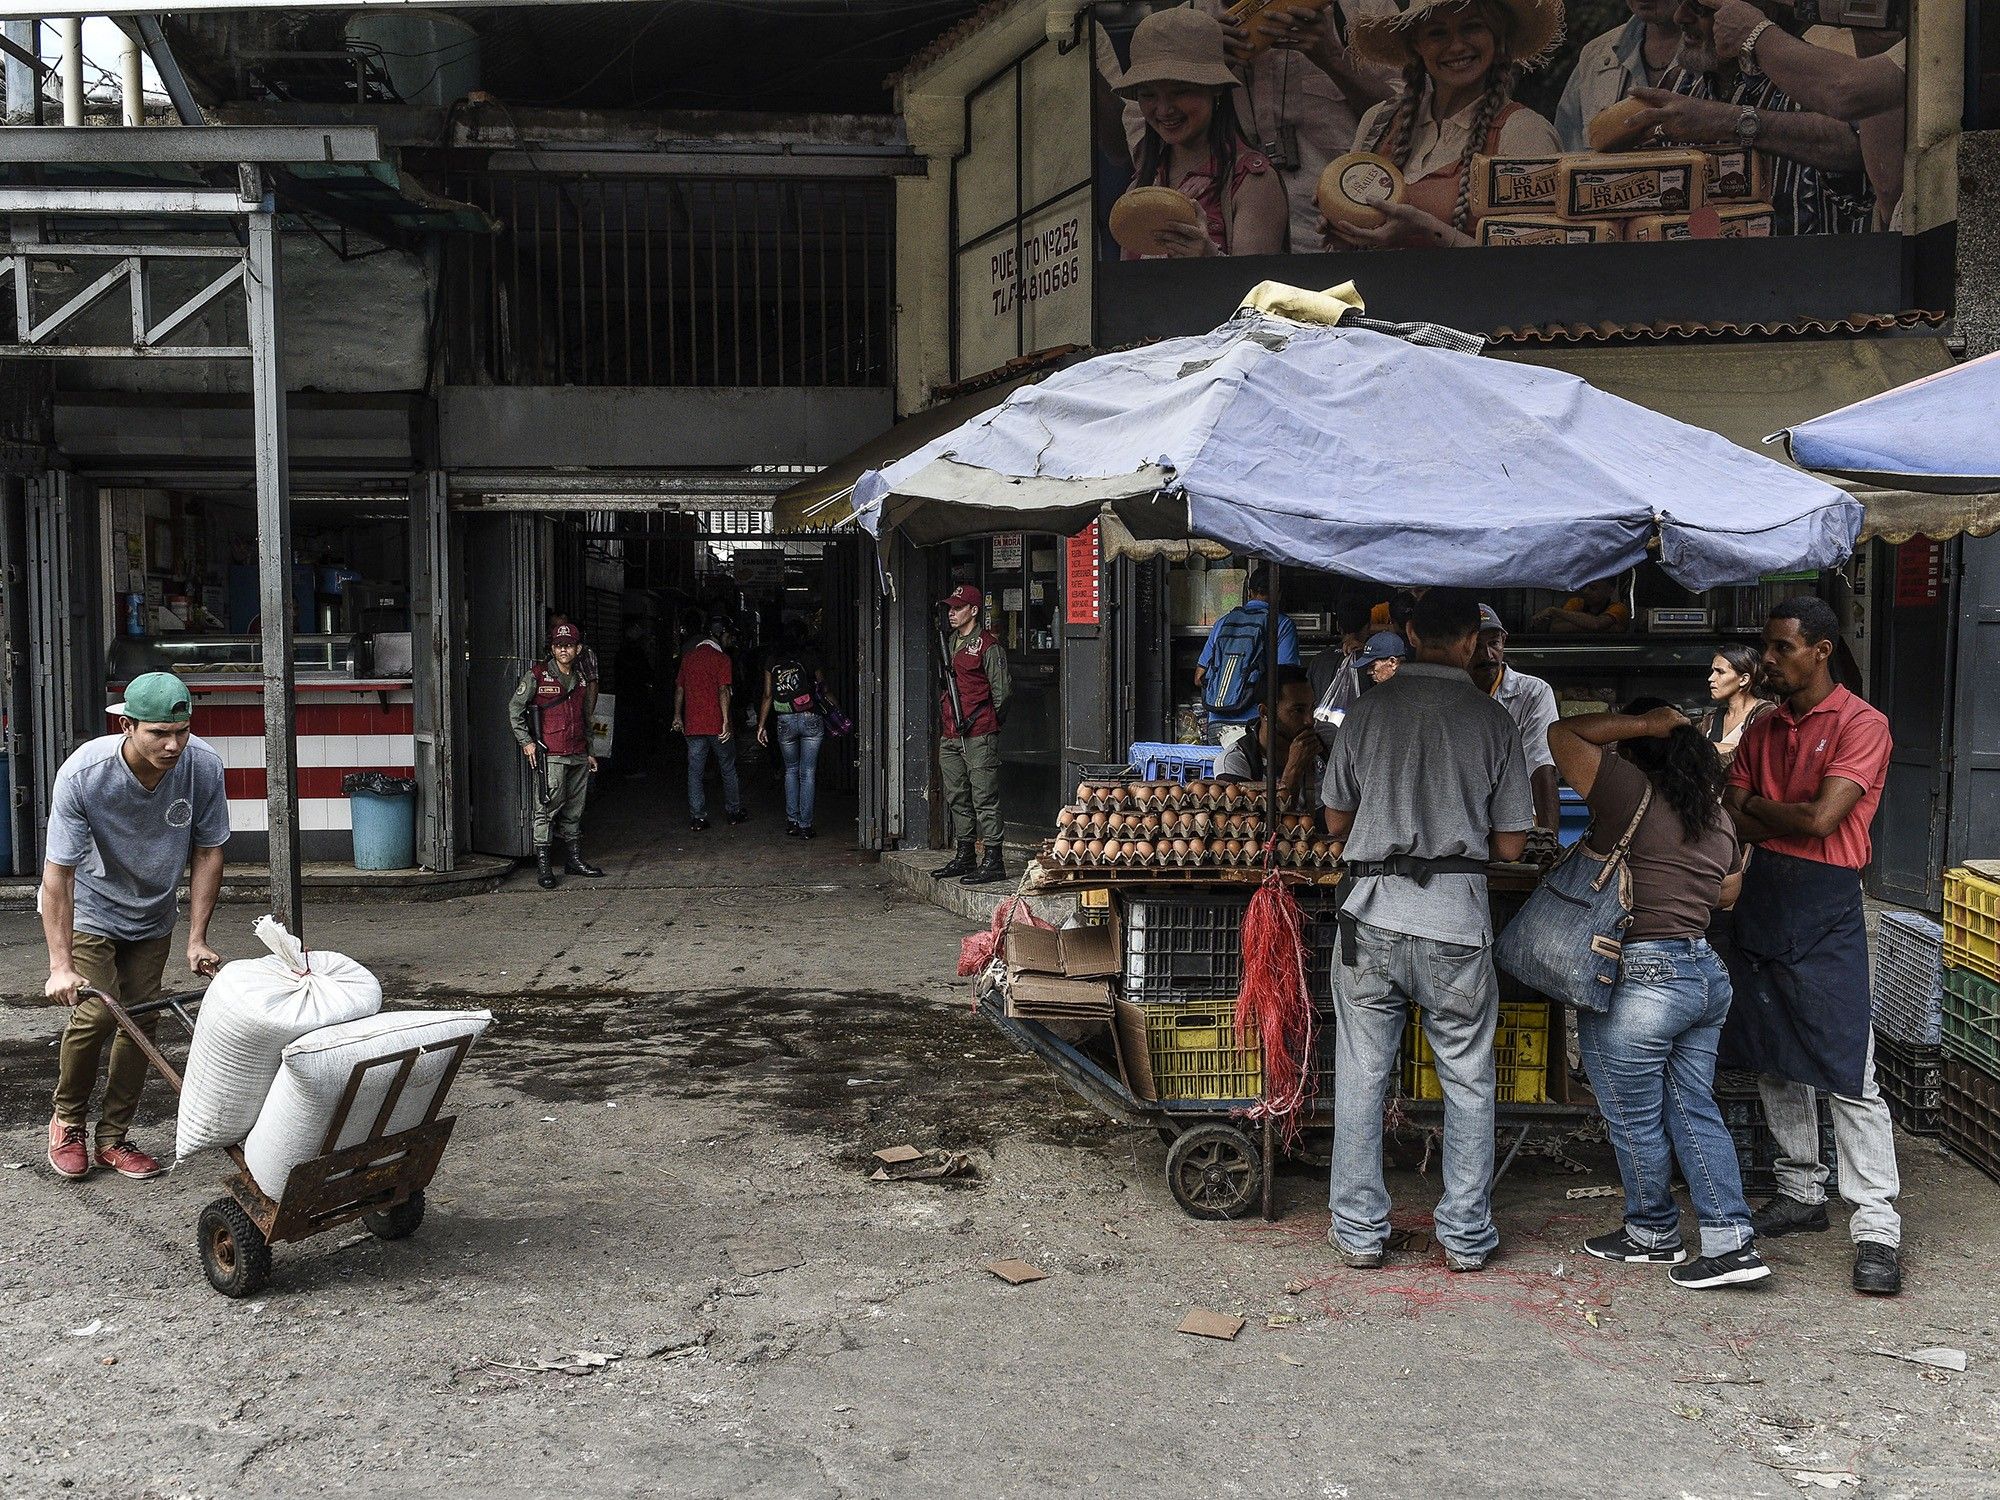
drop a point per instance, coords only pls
(430, 58)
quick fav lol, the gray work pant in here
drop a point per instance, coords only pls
(1460, 997)
(970, 771)
(1864, 1140)
(569, 784)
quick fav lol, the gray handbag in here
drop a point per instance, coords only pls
(1567, 940)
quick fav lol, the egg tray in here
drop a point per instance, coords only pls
(1044, 877)
(1212, 824)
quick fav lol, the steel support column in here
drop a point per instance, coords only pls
(434, 667)
(274, 566)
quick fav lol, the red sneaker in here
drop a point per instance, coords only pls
(67, 1153)
(127, 1160)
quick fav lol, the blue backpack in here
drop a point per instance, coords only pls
(1230, 686)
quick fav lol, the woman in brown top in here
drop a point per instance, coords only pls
(1651, 1055)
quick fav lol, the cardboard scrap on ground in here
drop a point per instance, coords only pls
(891, 1156)
(922, 1168)
(1937, 1357)
(1016, 1272)
(1595, 1192)
(1205, 1324)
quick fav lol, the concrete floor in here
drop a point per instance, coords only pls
(663, 1156)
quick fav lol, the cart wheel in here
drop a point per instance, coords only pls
(1168, 1134)
(398, 1222)
(233, 1251)
(1215, 1172)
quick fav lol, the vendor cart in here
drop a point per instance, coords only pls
(1221, 1154)
(379, 1180)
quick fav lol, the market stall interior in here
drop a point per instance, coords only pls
(1304, 435)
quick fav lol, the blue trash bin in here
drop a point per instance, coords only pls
(384, 812)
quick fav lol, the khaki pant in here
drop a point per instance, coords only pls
(970, 771)
(129, 972)
(569, 785)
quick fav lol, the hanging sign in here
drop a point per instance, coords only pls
(1083, 578)
(1919, 573)
(1007, 550)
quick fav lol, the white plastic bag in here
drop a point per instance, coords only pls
(253, 1009)
(293, 1124)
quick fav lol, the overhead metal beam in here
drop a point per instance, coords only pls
(759, 164)
(212, 145)
(22, 55)
(147, 30)
(117, 200)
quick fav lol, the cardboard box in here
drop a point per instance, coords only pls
(1737, 174)
(1741, 221)
(1627, 184)
(1095, 952)
(1041, 997)
(1513, 184)
(1545, 229)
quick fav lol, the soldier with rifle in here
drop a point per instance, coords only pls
(973, 706)
(551, 721)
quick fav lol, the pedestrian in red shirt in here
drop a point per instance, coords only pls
(1804, 788)
(701, 712)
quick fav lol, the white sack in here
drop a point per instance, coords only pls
(292, 1127)
(253, 1009)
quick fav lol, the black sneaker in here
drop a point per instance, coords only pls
(791, 829)
(1622, 1247)
(806, 832)
(1737, 1268)
(1878, 1269)
(1781, 1215)
(739, 816)
(699, 825)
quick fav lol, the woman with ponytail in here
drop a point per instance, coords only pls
(1460, 60)
(1651, 1054)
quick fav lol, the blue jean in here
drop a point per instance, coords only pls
(1651, 1060)
(700, 748)
(1455, 985)
(799, 737)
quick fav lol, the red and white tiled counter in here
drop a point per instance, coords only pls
(343, 725)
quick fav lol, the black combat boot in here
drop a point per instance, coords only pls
(574, 863)
(990, 869)
(545, 874)
(962, 863)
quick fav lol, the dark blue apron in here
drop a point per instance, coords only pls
(1797, 950)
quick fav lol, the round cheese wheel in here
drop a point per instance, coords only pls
(1353, 187)
(1616, 128)
(1139, 215)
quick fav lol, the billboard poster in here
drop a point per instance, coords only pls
(1267, 127)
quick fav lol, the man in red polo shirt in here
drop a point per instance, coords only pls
(1803, 789)
(702, 697)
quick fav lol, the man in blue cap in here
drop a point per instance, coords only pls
(130, 811)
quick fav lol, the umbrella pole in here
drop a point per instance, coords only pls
(1271, 817)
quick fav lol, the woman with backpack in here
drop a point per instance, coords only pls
(793, 689)
(1654, 783)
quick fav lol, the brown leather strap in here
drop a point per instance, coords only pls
(1624, 845)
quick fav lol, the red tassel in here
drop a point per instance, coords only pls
(1275, 1003)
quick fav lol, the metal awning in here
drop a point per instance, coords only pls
(1747, 392)
(822, 502)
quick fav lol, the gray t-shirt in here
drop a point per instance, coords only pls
(128, 845)
(1431, 766)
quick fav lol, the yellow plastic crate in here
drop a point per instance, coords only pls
(1972, 922)
(1196, 1054)
(1520, 1055)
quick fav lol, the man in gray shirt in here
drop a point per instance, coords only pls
(130, 810)
(1425, 783)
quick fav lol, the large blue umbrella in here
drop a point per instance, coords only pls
(1361, 451)
(1938, 434)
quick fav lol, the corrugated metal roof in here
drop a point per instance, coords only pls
(1672, 330)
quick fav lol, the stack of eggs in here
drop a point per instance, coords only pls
(1164, 825)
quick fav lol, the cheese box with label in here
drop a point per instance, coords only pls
(1513, 185)
(1728, 221)
(1737, 174)
(1545, 229)
(1627, 184)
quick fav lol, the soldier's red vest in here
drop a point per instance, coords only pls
(565, 730)
(975, 693)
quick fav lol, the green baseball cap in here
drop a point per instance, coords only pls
(156, 698)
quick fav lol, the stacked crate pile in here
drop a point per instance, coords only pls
(1909, 1019)
(1970, 1091)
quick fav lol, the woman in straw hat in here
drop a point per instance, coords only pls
(1460, 60)
(1179, 77)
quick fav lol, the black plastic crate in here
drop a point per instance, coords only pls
(1756, 1148)
(1183, 948)
(1911, 1078)
(1971, 1108)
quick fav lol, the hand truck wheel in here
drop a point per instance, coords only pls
(399, 1221)
(233, 1251)
(1215, 1172)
